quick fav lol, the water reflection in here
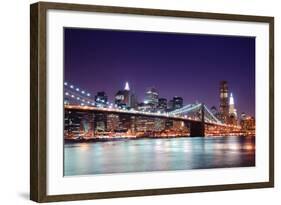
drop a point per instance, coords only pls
(158, 155)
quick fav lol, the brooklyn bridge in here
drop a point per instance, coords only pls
(85, 119)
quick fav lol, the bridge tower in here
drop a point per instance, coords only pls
(197, 129)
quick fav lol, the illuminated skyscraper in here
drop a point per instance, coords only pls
(127, 86)
(224, 100)
(126, 98)
(178, 102)
(232, 111)
(101, 99)
(162, 104)
(151, 99)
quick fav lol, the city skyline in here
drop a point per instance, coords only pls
(96, 73)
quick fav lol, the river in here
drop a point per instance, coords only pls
(164, 154)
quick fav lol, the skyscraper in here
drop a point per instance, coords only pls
(162, 104)
(151, 97)
(127, 87)
(224, 100)
(232, 111)
(177, 102)
(101, 99)
(126, 98)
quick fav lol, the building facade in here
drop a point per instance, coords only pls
(224, 102)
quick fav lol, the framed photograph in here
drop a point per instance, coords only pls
(134, 102)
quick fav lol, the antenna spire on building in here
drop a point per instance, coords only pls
(231, 99)
(127, 86)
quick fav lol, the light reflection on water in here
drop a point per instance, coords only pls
(158, 155)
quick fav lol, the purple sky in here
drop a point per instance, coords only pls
(187, 65)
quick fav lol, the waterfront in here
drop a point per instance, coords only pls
(164, 154)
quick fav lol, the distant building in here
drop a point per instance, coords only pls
(232, 111)
(214, 110)
(243, 116)
(126, 98)
(122, 97)
(224, 101)
(247, 123)
(145, 107)
(178, 102)
(101, 99)
(151, 97)
(170, 106)
(162, 105)
(175, 103)
(133, 101)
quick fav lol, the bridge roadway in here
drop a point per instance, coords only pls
(197, 127)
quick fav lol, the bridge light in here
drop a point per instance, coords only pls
(65, 83)
(83, 92)
(72, 96)
(78, 98)
(71, 86)
(77, 89)
(66, 93)
(88, 94)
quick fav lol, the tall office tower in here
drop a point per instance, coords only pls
(151, 97)
(101, 99)
(127, 87)
(177, 102)
(224, 101)
(162, 104)
(123, 97)
(232, 111)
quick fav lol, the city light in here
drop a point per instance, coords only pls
(189, 112)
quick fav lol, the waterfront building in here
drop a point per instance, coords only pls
(101, 99)
(247, 123)
(243, 116)
(224, 101)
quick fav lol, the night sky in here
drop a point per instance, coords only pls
(186, 65)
